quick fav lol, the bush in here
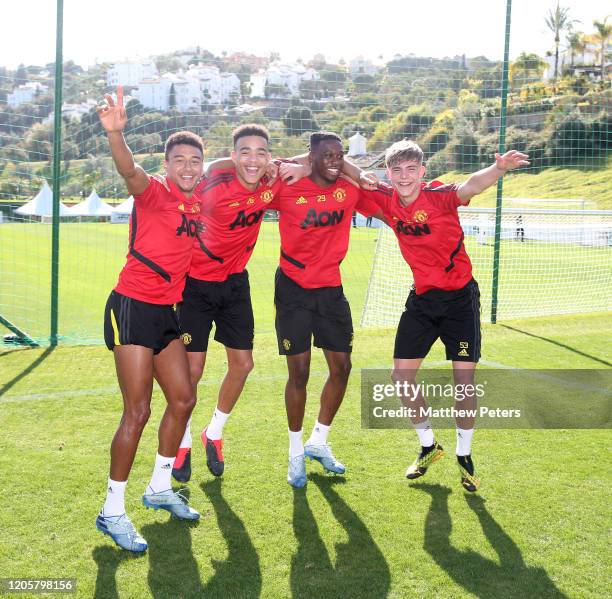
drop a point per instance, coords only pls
(572, 138)
(298, 120)
(437, 165)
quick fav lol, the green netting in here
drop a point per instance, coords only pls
(452, 107)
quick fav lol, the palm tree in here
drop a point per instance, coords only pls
(527, 68)
(577, 45)
(602, 36)
(557, 21)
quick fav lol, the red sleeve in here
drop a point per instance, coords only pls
(379, 198)
(366, 206)
(445, 195)
(153, 197)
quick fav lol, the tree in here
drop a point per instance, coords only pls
(558, 21)
(527, 68)
(576, 43)
(21, 76)
(172, 97)
(602, 36)
(298, 120)
(276, 90)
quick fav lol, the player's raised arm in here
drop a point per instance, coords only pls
(114, 119)
(486, 177)
(364, 179)
(221, 164)
(293, 169)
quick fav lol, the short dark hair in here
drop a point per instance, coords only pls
(250, 129)
(318, 136)
(183, 137)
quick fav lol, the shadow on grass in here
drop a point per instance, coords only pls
(360, 570)
(558, 344)
(26, 371)
(475, 573)
(109, 558)
(240, 574)
(173, 570)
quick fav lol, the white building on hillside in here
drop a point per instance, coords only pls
(287, 75)
(25, 93)
(155, 93)
(191, 89)
(130, 73)
(76, 111)
(587, 62)
(362, 66)
(216, 87)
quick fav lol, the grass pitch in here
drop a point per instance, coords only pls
(537, 528)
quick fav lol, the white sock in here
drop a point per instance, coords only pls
(160, 481)
(319, 434)
(186, 441)
(296, 447)
(115, 498)
(464, 441)
(425, 433)
(214, 431)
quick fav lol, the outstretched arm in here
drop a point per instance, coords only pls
(486, 177)
(219, 164)
(114, 119)
(364, 179)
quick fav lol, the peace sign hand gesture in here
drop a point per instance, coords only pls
(113, 115)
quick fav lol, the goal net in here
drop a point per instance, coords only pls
(551, 262)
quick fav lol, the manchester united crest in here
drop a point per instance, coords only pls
(266, 196)
(420, 216)
(339, 195)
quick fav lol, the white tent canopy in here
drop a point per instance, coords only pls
(357, 145)
(121, 213)
(125, 207)
(42, 204)
(92, 206)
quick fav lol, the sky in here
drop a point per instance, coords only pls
(115, 30)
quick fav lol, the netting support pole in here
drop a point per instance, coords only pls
(57, 160)
(502, 149)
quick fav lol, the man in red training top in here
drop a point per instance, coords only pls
(234, 202)
(140, 324)
(444, 301)
(315, 221)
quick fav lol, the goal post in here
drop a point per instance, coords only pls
(552, 262)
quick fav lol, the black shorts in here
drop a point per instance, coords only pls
(227, 303)
(303, 313)
(454, 316)
(128, 321)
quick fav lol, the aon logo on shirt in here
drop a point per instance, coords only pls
(325, 218)
(189, 227)
(242, 220)
(416, 230)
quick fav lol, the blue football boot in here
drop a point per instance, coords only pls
(121, 530)
(323, 454)
(172, 502)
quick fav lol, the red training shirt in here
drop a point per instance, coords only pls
(429, 234)
(232, 217)
(163, 226)
(314, 225)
